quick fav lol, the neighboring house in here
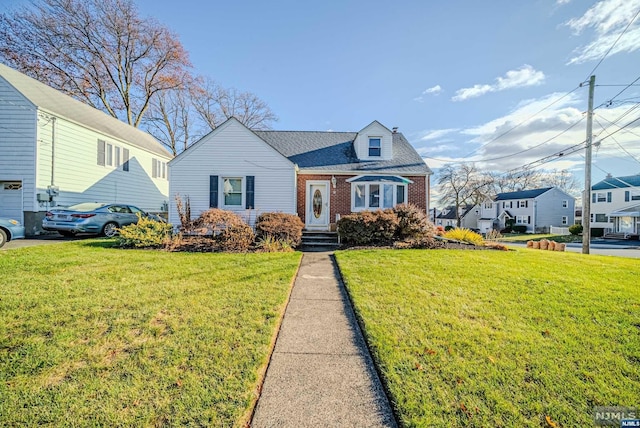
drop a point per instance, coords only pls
(615, 205)
(57, 151)
(469, 216)
(318, 175)
(537, 209)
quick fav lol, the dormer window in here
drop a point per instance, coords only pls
(375, 147)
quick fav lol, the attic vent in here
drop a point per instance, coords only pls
(395, 129)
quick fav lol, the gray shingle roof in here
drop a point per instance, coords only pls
(617, 182)
(56, 102)
(333, 151)
(523, 194)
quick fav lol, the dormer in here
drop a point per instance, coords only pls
(374, 142)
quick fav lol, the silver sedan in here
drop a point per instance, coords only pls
(92, 217)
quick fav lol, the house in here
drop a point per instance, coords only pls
(615, 206)
(57, 151)
(469, 215)
(537, 209)
(318, 175)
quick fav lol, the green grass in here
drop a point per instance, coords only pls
(499, 339)
(538, 237)
(96, 336)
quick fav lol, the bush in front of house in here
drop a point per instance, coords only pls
(448, 228)
(368, 227)
(286, 228)
(464, 235)
(224, 230)
(575, 229)
(519, 228)
(146, 233)
(413, 223)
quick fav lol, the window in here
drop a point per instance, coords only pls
(565, 204)
(232, 189)
(488, 205)
(359, 200)
(565, 219)
(377, 195)
(375, 147)
(635, 195)
(109, 154)
(374, 195)
(601, 197)
(601, 218)
(158, 169)
(117, 156)
(523, 204)
(522, 219)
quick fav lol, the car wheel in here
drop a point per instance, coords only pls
(110, 230)
(66, 233)
(3, 238)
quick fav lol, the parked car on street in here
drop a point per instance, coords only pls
(93, 217)
(10, 229)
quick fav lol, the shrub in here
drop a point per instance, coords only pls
(424, 243)
(597, 232)
(286, 228)
(184, 213)
(147, 233)
(465, 235)
(269, 244)
(575, 229)
(193, 244)
(368, 227)
(439, 231)
(412, 222)
(493, 235)
(496, 246)
(448, 228)
(520, 228)
(226, 228)
(506, 230)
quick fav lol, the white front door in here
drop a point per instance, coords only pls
(318, 205)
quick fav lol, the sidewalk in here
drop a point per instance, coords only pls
(321, 373)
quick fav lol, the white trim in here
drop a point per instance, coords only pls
(308, 208)
(243, 192)
(352, 179)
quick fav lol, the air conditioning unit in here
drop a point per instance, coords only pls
(43, 197)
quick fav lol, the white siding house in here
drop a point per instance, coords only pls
(233, 169)
(57, 151)
(615, 205)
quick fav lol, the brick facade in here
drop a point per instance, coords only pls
(340, 197)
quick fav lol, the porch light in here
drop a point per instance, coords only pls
(333, 181)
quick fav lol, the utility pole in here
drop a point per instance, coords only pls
(586, 199)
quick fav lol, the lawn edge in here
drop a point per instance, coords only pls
(247, 417)
(363, 332)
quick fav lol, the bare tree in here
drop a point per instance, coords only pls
(216, 104)
(562, 179)
(98, 51)
(532, 179)
(462, 184)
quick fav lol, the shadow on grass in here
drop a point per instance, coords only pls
(100, 243)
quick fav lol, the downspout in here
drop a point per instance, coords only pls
(53, 150)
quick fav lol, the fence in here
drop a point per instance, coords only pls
(559, 230)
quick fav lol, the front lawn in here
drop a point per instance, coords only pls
(96, 336)
(499, 339)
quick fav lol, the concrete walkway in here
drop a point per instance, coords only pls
(321, 373)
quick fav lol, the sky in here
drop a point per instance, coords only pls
(502, 84)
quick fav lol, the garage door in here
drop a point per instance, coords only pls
(11, 199)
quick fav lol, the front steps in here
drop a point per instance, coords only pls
(319, 241)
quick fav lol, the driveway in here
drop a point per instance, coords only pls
(37, 240)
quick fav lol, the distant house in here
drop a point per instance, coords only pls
(55, 151)
(318, 175)
(537, 209)
(469, 215)
(615, 205)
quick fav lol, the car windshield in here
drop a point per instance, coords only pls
(86, 206)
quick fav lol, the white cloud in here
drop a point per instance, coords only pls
(434, 90)
(523, 76)
(607, 18)
(562, 2)
(436, 134)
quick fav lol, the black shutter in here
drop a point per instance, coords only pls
(608, 196)
(626, 196)
(125, 159)
(101, 152)
(213, 191)
(249, 198)
(526, 204)
(528, 219)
